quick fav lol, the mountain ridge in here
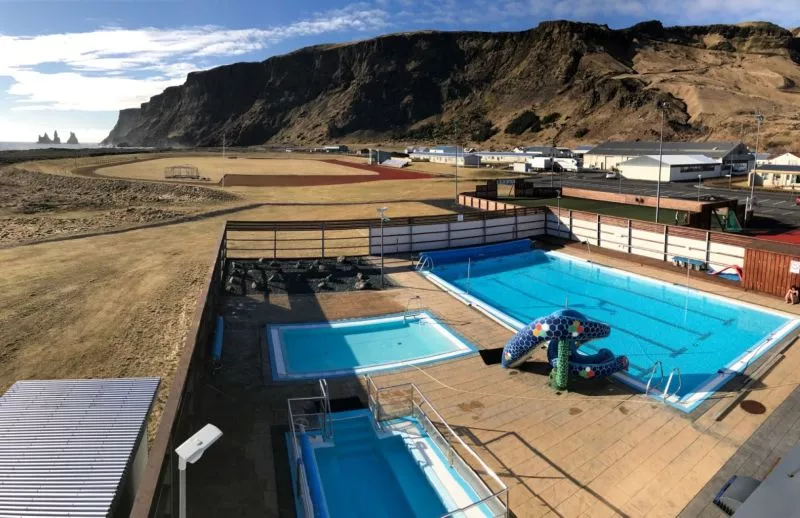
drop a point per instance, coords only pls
(583, 79)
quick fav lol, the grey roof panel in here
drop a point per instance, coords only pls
(780, 167)
(632, 148)
(65, 444)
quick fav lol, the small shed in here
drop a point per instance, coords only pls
(73, 447)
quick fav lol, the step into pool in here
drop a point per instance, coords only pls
(706, 337)
(397, 470)
(360, 346)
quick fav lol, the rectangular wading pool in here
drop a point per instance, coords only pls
(708, 338)
(346, 347)
(395, 471)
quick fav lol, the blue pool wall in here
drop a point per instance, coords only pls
(355, 372)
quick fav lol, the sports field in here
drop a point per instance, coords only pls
(213, 167)
(620, 210)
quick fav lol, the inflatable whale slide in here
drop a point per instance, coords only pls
(564, 332)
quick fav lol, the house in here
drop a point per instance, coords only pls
(734, 157)
(440, 157)
(379, 156)
(778, 176)
(674, 168)
(784, 159)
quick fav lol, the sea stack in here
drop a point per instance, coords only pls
(72, 139)
(56, 138)
(44, 139)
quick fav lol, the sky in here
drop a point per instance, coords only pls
(71, 65)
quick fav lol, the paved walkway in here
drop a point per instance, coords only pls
(602, 451)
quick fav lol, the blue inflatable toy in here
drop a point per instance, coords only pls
(564, 329)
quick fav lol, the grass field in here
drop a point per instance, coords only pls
(121, 304)
(666, 216)
(213, 167)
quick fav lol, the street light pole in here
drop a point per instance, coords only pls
(663, 107)
(190, 452)
(747, 217)
(699, 184)
(382, 215)
(455, 135)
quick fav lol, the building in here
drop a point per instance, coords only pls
(73, 447)
(440, 157)
(582, 149)
(339, 148)
(784, 159)
(778, 176)
(446, 149)
(734, 157)
(674, 168)
(379, 156)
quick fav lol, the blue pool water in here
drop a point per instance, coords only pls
(700, 334)
(358, 346)
(364, 475)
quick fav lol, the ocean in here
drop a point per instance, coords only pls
(19, 146)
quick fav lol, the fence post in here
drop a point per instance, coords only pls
(322, 237)
(666, 242)
(484, 228)
(630, 241)
(516, 225)
(570, 224)
(448, 235)
(274, 243)
(598, 230)
(708, 247)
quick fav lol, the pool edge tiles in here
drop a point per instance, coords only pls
(693, 399)
(281, 371)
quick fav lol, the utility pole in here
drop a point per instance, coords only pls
(455, 137)
(663, 107)
(759, 119)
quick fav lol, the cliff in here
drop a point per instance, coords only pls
(72, 139)
(561, 81)
(44, 139)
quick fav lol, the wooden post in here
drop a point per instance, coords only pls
(448, 235)
(322, 237)
(274, 243)
(666, 243)
(708, 247)
(570, 224)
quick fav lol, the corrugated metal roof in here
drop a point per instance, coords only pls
(634, 148)
(65, 444)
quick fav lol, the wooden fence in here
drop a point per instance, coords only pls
(769, 272)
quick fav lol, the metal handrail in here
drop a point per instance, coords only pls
(660, 366)
(407, 312)
(666, 395)
(374, 399)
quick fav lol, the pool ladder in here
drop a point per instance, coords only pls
(410, 311)
(424, 262)
(658, 367)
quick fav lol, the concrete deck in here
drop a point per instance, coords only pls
(601, 451)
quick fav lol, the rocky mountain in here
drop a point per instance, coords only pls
(56, 138)
(72, 138)
(44, 139)
(561, 81)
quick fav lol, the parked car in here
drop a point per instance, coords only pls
(611, 176)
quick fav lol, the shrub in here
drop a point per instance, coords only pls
(527, 120)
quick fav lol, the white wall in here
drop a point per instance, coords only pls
(785, 159)
(668, 173)
(417, 238)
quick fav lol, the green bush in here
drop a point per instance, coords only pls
(551, 118)
(581, 132)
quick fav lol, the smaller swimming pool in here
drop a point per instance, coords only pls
(346, 347)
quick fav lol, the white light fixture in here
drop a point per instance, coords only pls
(190, 452)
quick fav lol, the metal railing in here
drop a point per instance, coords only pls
(410, 311)
(666, 395)
(302, 421)
(657, 367)
(406, 399)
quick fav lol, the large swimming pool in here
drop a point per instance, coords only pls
(326, 349)
(707, 337)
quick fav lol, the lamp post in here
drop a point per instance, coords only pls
(699, 184)
(759, 120)
(559, 213)
(455, 136)
(189, 452)
(384, 219)
(663, 107)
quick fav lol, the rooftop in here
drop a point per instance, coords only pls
(633, 148)
(671, 160)
(66, 445)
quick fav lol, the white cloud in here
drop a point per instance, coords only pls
(114, 68)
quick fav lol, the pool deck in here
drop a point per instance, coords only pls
(600, 450)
